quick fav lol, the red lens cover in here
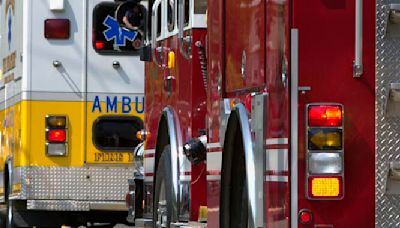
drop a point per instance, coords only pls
(325, 116)
(56, 28)
(58, 135)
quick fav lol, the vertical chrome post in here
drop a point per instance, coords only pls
(358, 65)
(294, 97)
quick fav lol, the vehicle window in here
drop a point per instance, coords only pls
(118, 27)
(159, 21)
(116, 133)
(171, 15)
(200, 6)
(187, 12)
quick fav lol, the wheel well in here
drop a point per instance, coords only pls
(231, 163)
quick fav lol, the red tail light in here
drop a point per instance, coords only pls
(56, 28)
(58, 135)
(325, 116)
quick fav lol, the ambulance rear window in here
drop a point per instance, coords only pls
(116, 133)
(118, 27)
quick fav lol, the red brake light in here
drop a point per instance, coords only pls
(325, 115)
(99, 45)
(56, 28)
(58, 135)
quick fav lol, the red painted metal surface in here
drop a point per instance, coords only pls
(187, 99)
(326, 52)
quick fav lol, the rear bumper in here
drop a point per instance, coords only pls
(72, 188)
(73, 205)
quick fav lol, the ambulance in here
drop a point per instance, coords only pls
(71, 102)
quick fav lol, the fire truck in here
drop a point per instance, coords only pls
(71, 95)
(271, 114)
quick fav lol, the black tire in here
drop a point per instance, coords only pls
(233, 195)
(164, 185)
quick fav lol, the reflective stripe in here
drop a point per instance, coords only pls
(274, 141)
(213, 177)
(213, 145)
(214, 161)
(276, 178)
(276, 159)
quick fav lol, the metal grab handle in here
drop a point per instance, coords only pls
(182, 39)
(154, 25)
(358, 65)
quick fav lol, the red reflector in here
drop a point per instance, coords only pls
(56, 28)
(325, 115)
(56, 135)
(305, 216)
(99, 45)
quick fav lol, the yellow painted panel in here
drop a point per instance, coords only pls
(36, 149)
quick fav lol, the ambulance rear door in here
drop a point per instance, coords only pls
(115, 83)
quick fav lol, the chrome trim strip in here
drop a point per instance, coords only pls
(294, 126)
(75, 205)
(172, 130)
(254, 173)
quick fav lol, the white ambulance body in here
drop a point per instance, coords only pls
(71, 101)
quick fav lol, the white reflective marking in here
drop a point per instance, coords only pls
(149, 165)
(213, 177)
(214, 161)
(148, 179)
(213, 145)
(276, 159)
(274, 141)
(276, 178)
(185, 177)
(151, 151)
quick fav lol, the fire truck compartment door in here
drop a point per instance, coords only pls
(245, 55)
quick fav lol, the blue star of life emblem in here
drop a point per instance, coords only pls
(114, 31)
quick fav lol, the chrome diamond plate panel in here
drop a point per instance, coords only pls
(387, 129)
(75, 183)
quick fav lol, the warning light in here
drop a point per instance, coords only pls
(325, 187)
(58, 135)
(99, 45)
(325, 115)
(305, 216)
(56, 121)
(324, 139)
(142, 135)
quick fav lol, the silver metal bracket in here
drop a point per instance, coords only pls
(393, 178)
(392, 102)
(392, 21)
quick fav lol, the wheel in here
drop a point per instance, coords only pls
(9, 204)
(233, 194)
(163, 205)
